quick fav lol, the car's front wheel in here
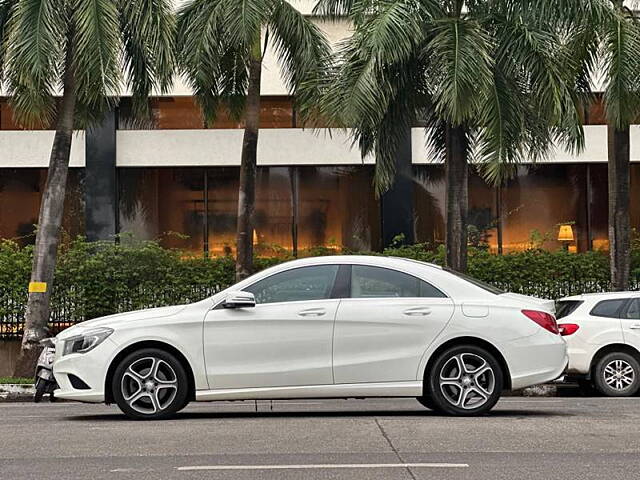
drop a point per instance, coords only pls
(617, 374)
(150, 384)
(465, 380)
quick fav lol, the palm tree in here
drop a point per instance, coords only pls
(491, 81)
(618, 49)
(221, 46)
(76, 48)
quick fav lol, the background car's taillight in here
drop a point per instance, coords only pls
(544, 319)
(568, 328)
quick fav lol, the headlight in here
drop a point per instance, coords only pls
(87, 341)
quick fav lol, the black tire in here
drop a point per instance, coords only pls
(605, 371)
(586, 388)
(427, 401)
(483, 389)
(41, 387)
(146, 396)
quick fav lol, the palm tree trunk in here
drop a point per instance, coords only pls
(49, 222)
(619, 221)
(246, 194)
(457, 197)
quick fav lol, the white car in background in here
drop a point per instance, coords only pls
(327, 327)
(602, 331)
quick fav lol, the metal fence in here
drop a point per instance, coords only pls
(71, 305)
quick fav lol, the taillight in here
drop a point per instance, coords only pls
(568, 328)
(544, 319)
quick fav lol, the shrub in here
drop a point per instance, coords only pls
(101, 278)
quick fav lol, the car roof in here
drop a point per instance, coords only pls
(602, 296)
(368, 259)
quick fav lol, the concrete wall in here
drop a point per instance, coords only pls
(9, 350)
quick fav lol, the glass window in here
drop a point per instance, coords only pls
(337, 208)
(298, 284)
(608, 308)
(633, 310)
(566, 308)
(377, 282)
(538, 200)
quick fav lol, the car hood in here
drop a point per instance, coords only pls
(119, 318)
(528, 301)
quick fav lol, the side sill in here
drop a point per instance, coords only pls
(387, 389)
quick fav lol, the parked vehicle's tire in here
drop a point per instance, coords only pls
(427, 401)
(150, 384)
(465, 380)
(41, 387)
(586, 388)
(617, 374)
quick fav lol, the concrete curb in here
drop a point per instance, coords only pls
(16, 392)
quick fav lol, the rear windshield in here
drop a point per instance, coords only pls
(566, 308)
(476, 282)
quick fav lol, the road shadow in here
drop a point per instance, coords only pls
(213, 415)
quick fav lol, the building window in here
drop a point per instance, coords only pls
(169, 204)
(20, 196)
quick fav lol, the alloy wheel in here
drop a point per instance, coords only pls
(467, 381)
(149, 385)
(619, 374)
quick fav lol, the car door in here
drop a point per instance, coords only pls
(630, 321)
(385, 326)
(285, 340)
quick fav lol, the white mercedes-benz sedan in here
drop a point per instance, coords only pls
(324, 327)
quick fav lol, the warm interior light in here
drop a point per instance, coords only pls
(566, 233)
(255, 237)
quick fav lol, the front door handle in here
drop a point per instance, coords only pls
(312, 312)
(417, 311)
(635, 326)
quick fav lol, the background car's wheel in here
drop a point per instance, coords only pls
(150, 384)
(465, 380)
(617, 374)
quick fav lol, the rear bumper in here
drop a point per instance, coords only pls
(540, 358)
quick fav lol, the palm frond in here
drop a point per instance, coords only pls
(148, 37)
(622, 83)
(460, 54)
(96, 54)
(7, 8)
(35, 44)
(303, 53)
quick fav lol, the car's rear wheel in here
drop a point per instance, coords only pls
(150, 384)
(465, 380)
(617, 374)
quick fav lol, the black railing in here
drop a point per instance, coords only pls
(71, 305)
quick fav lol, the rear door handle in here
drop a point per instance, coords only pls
(417, 311)
(312, 312)
(635, 326)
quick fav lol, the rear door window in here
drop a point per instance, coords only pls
(608, 308)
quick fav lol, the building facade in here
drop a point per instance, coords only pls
(177, 181)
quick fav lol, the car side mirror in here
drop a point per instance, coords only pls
(239, 300)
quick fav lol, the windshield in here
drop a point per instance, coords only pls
(478, 283)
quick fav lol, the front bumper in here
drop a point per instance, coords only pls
(90, 367)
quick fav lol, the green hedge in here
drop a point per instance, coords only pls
(95, 279)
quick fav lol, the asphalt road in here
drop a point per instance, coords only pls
(524, 438)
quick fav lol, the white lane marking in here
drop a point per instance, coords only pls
(324, 466)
